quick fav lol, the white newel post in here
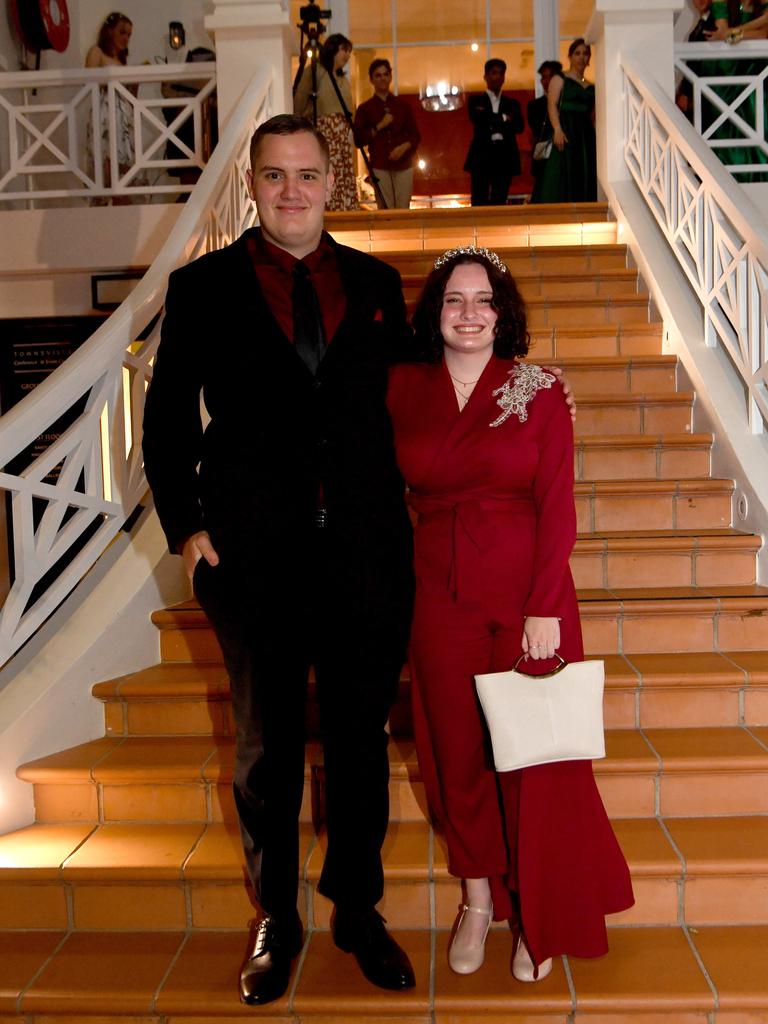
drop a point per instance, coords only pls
(249, 33)
(647, 31)
(546, 34)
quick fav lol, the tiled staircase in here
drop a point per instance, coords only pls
(126, 898)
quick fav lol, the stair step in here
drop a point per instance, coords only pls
(644, 690)
(495, 227)
(188, 779)
(649, 413)
(552, 282)
(680, 558)
(563, 341)
(178, 877)
(569, 259)
(641, 620)
(649, 620)
(618, 374)
(550, 312)
(639, 457)
(613, 505)
(654, 975)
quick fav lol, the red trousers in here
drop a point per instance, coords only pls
(541, 835)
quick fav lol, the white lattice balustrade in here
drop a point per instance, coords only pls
(70, 501)
(703, 215)
(104, 132)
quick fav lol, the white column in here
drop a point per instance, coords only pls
(339, 22)
(619, 26)
(546, 34)
(249, 33)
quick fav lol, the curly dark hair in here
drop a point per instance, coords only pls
(511, 336)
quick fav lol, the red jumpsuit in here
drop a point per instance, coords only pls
(496, 525)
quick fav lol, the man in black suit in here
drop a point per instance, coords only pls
(493, 158)
(295, 532)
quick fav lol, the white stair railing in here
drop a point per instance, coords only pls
(718, 237)
(98, 133)
(68, 504)
(728, 91)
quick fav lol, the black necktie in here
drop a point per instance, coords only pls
(308, 333)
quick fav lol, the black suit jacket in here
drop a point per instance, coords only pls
(508, 122)
(276, 432)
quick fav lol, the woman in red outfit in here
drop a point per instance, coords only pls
(485, 443)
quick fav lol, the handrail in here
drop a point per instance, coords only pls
(69, 502)
(718, 236)
(703, 66)
(86, 133)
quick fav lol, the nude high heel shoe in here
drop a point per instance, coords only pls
(523, 967)
(465, 956)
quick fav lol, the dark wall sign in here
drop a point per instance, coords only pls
(30, 349)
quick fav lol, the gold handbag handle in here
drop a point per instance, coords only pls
(541, 675)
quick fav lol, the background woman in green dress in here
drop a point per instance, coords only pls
(570, 172)
(734, 22)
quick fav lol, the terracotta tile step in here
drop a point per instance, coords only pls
(700, 689)
(617, 506)
(597, 341)
(179, 877)
(544, 259)
(649, 620)
(651, 976)
(672, 772)
(617, 374)
(653, 690)
(635, 413)
(707, 770)
(640, 457)
(168, 699)
(625, 308)
(679, 559)
(399, 230)
(549, 282)
(642, 620)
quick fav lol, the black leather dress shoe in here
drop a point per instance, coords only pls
(381, 960)
(266, 972)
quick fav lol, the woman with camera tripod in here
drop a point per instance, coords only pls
(334, 101)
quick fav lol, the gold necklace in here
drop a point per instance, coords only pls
(464, 383)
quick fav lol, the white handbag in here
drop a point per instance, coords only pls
(557, 716)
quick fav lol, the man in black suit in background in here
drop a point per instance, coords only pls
(493, 158)
(295, 532)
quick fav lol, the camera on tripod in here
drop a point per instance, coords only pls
(312, 17)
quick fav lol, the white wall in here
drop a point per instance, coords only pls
(150, 30)
(102, 631)
(757, 192)
(43, 274)
(150, 27)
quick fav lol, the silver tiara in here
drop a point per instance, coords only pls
(471, 250)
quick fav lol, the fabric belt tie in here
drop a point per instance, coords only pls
(472, 527)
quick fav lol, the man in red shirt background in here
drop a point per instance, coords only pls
(386, 124)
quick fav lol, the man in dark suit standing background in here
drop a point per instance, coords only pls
(493, 158)
(295, 532)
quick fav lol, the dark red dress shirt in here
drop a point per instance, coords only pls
(274, 268)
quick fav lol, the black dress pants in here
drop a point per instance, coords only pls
(490, 182)
(321, 607)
